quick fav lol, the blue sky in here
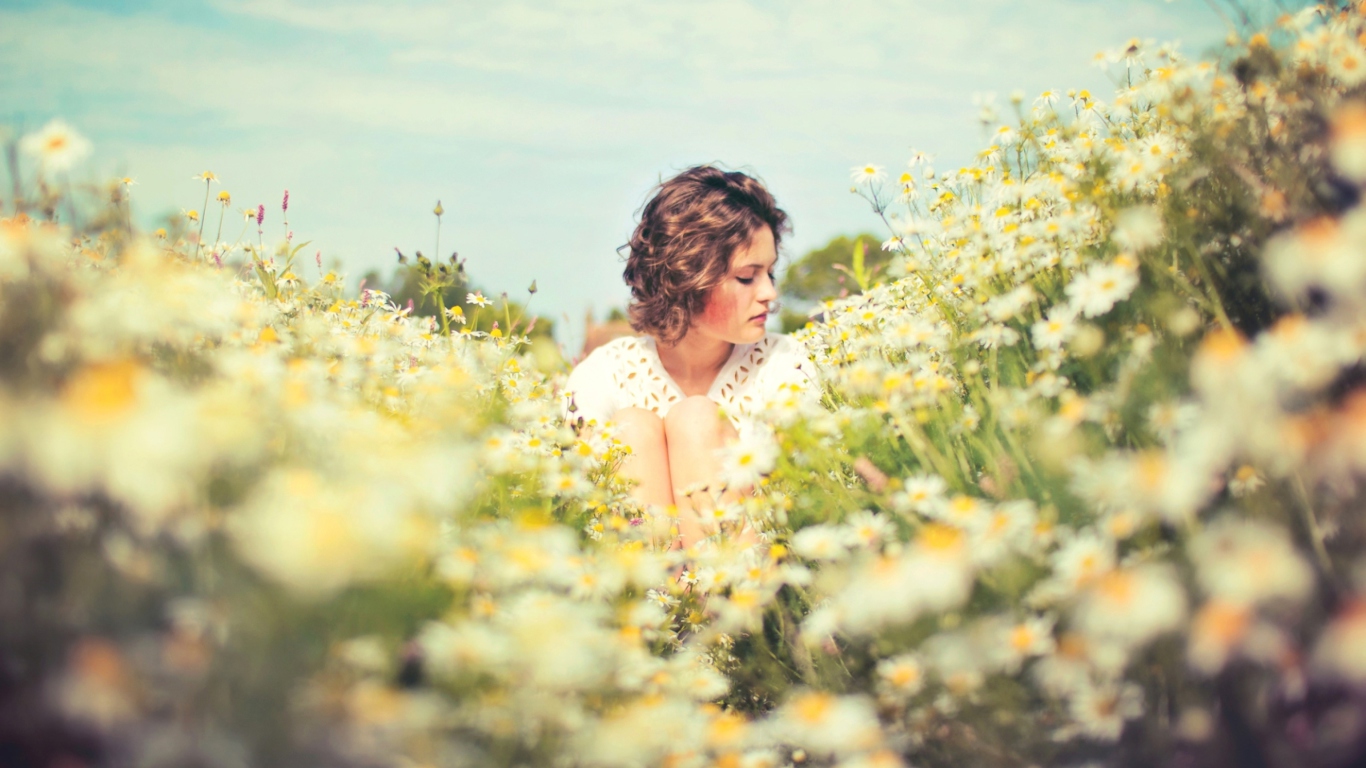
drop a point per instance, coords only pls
(540, 125)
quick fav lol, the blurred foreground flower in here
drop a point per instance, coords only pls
(57, 147)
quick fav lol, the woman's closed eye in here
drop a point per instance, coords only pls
(748, 280)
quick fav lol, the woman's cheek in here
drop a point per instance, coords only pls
(718, 309)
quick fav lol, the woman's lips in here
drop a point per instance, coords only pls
(761, 318)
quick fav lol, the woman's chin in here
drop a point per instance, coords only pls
(751, 334)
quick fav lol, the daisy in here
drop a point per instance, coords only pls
(1100, 288)
(996, 335)
(820, 542)
(1138, 228)
(867, 174)
(1169, 418)
(903, 675)
(567, 483)
(1131, 606)
(1083, 559)
(1010, 304)
(920, 158)
(1055, 330)
(1247, 562)
(1347, 140)
(1101, 711)
(745, 461)
(828, 724)
(1245, 481)
(1013, 642)
(1348, 65)
(922, 493)
(477, 299)
(868, 529)
(1339, 648)
(1216, 633)
(57, 146)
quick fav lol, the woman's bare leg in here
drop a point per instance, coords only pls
(694, 429)
(648, 462)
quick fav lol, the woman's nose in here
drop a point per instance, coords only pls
(767, 291)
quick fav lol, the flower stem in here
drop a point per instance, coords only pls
(441, 303)
(1312, 529)
(222, 211)
(204, 210)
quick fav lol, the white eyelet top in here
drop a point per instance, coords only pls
(627, 372)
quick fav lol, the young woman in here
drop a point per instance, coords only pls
(701, 273)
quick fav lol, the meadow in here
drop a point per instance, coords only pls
(1081, 487)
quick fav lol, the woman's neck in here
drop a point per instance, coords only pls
(695, 359)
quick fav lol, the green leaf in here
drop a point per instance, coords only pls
(860, 274)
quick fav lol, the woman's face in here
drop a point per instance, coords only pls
(737, 309)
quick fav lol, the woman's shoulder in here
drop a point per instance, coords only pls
(610, 355)
(590, 390)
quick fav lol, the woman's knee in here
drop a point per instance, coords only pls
(639, 428)
(696, 419)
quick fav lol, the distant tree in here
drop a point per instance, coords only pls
(822, 273)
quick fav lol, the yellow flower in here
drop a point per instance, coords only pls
(103, 391)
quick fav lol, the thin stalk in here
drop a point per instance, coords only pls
(12, 160)
(222, 211)
(441, 309)
(70, 200)
(1311, 524)
(240, 235)
(203, 213)
(923, 448)
(1021, 457)
(1212, 296)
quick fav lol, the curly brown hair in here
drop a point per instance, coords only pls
(682, 248)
